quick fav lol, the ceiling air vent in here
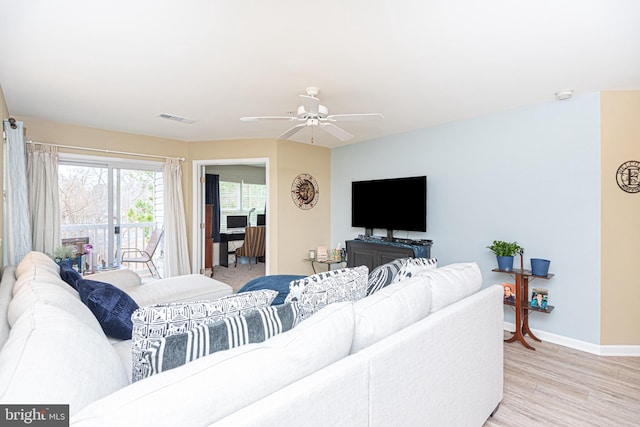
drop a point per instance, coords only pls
(176, 118)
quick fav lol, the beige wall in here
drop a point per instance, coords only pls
(620, 142)
(301, 230)
(291, 231)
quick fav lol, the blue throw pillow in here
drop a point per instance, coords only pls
(68, 274)
(111, 306)
(276, 282)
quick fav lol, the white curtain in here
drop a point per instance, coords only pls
(16, 226)
(176, 250)
(44, 202)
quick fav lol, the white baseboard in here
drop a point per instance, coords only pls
(600, 350)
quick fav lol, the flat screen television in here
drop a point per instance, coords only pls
(394, 204)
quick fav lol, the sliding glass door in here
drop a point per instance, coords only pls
(116, 206)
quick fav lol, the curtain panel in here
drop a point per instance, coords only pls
(175, 226)
(17, 230)
(44, 198)
(212, 196)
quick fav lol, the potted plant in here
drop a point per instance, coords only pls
(504, 251)
(64, 253)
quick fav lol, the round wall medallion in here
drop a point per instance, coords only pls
(304, 191)
(628, 176)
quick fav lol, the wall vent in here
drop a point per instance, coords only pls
(176, 118)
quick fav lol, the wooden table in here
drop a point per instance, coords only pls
(523, 305)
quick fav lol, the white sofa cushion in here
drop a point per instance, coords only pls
(6, 289)
(219, 384)
(389, 310)
(36, 260)
(315, 292)
(53, 358)
(122, 278)
(189, 287)
(61, 296)
(452, 283)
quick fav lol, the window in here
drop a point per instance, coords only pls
(241, 198)
(116, 204)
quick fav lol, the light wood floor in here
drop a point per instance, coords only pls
(559, 386)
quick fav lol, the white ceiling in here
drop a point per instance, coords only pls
(118, 64)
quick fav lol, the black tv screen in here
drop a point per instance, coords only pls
(394, 204)
(236, 221)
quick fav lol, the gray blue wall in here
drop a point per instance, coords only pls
(530, 174)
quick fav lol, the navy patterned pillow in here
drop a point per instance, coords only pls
(384, 275)
(257, 326)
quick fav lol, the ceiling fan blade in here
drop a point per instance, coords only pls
(291, 131)
(311, 104)
(354, 117)
(255, 119)
(334, 130)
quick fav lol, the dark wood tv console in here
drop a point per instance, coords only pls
(373, 253)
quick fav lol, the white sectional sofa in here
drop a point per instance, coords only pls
(423, 351)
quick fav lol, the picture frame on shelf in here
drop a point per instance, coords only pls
(539, 298)
(509, 292)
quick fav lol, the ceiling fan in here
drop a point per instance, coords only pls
(312, 113)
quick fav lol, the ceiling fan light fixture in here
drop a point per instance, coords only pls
(312, 114)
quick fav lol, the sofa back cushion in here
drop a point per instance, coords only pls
(214, 386)
(51, 357)
(452, 283)
(6, 288)
(36, 262)
(57, 294)
(390, 309)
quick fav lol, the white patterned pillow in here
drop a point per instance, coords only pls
(254, 327)
(384, 274)
(163, 320)
(414, 266)
(315, 292)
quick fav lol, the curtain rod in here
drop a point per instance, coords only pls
(106, 150)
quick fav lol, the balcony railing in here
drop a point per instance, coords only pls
(135, 235)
